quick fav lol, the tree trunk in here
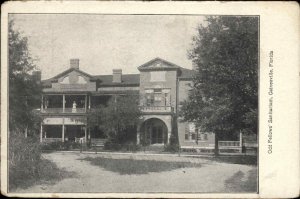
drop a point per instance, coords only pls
(216, 143)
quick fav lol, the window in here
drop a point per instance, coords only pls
(186, 137)
(193, 136)
(192, 133)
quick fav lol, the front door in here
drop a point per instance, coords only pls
(157, 135)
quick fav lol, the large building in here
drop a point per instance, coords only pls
(160, 85)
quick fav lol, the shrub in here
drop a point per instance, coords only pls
(109, 145)
(26, 164)
(56, 146)
(131, 147)
(52, 146)
(171, 148)
(114, 146)
(24, 158)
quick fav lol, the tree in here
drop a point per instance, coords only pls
(120, 114)
(24, 89)
(25, 163)
(223, 98)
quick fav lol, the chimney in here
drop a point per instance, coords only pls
(117, 75)
(74, 63)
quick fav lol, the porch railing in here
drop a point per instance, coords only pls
(79, 140)
(76, 110)
(66, 110)
(156, 108)
(48, 140)
(229, 144)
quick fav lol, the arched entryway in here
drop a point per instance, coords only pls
(153, 131)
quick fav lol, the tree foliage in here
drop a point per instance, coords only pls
(120, 114)
(224, 96)
(24, 89)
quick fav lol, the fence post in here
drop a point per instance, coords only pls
(80, 145)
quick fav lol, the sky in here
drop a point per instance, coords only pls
(106, 42)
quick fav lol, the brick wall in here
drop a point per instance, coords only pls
(170, 82)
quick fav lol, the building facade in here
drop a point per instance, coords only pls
(160, 85)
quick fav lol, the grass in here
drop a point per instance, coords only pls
(46, 173)
(237, 184)
(133, 166)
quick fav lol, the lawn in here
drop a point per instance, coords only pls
(133, 173)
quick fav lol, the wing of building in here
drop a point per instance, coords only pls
(161, 86)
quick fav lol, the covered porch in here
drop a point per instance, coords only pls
(64, 129)
(63, 133)
(65, 103)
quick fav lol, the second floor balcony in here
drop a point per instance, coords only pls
(56, 104)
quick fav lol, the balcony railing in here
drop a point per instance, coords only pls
(151, 109)
(66, 110)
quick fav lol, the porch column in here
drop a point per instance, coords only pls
(168, 123)
(89, 102)
(138, 135)
(85, 133)
(63, 133)
(41, 133)
(85, 102)
(64, 101)
(241, 141)
(169, 136)
(42, 103)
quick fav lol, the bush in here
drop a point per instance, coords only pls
(24, 158)
(26, 165)
(171, 148)
(132, 147)
(109, 145)
(56, 146)
(113, 146)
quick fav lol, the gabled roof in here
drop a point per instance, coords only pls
(70, 70)
(167, 65)
(47, 82)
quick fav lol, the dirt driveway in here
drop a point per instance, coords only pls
(210, 177)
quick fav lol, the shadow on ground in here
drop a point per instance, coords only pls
(238, 182)
(132, 166)
(47, 173)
